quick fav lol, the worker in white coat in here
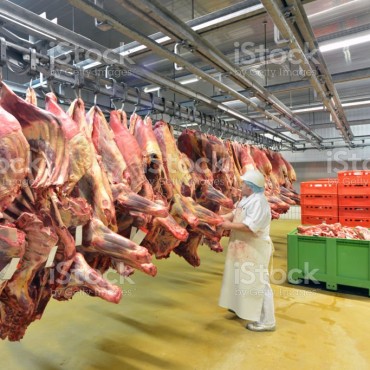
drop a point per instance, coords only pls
(246, 289)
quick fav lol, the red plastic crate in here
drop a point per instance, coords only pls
(354, 183)
(322, 210)
(354, 221)
(319, 199)
(354, 200)
(319, 187)
(315, 220)
(354, 211)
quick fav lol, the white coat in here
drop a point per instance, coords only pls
(246, 266)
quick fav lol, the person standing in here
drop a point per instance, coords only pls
(246, 289)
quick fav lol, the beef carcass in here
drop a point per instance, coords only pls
(175, 163)
(142, 130)
(262, 162)
(97, 238)
(116, 168)
(129, 149)
(80, 154)
(45, 136)
(19, 296)
(84, 278)
(12, 245)
(14, 156)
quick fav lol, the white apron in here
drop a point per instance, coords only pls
(246, 270)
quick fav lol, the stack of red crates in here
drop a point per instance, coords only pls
(354, 198)
(319, 202)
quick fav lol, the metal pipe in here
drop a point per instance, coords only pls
(96, 51)
(90, 9)
(279, 19)
(301, 21)
(114, 90)
(160, 17)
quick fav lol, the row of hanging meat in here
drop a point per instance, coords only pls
(72, 187)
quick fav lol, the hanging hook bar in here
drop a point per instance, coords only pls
(138, 94)
(150, 110)
(124, 95)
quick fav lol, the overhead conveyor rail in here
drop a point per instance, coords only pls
(99, 13)
(57, 72)
(30, 20)
(153, 13)
(299, 32)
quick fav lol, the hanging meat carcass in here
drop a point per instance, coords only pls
(49, 146)
(93, 186)
(116, 168)
(15, 158)
(209, 198)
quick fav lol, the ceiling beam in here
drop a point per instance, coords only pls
(96, 51)
(153, 13)
(101, 14)
(325, 87)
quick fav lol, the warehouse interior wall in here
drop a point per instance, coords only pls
(312, 165)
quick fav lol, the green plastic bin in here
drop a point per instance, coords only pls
(329, 260)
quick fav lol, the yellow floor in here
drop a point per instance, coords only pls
(173, 321)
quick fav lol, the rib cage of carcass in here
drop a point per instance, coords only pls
(70, 171)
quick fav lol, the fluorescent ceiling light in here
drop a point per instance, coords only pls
(344, 105)
(356, 103)
(189, 80)
(232, 102)
(311, 109)
(228, 17)
(198, 27)
(151, 89)
(331, 9)
(345, 43)
(188, 124)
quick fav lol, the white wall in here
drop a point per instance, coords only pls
(314, 164)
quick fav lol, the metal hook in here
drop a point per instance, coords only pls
(164, 108)
(152, 104)
(50, 86)
(124, 96)
(113, 103)
(138, 94)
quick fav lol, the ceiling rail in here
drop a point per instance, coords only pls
(323, 83)
(168, 23)
(54, 71)
(96, 51)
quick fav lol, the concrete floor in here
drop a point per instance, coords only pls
(173, 321)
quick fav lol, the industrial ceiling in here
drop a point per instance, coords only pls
(295, 72)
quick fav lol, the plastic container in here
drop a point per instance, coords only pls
(319, 210)
(319, 199)
(354, 183)
(354, 211)
(316, 220)
(329, 260)
(354, 200)
(319, 187)
(354, 221)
